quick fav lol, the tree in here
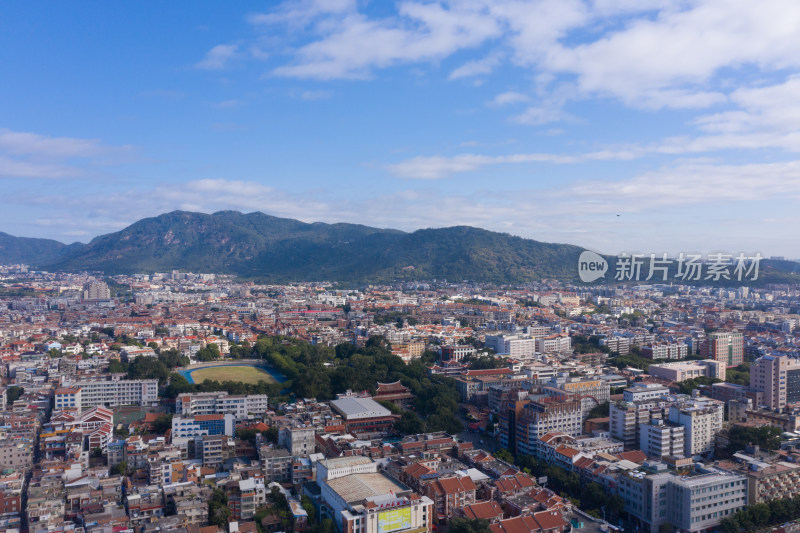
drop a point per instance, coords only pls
(410, 424)
(97, 452)
(162, 424)
(600, 411)
(208, 353)
(504, 455)
(116, 367)
(218, 512)
(466, 525)
(309, 508)
(13, 393)
(766, 437)
(119, 469)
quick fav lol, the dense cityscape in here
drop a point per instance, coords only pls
(400, 266)
(192, 402)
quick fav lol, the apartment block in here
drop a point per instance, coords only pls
(727, 347)
(660, 439)
(665, 350)
(537, 418)
(277, 464)
(197, 426)
(778, 378)
(694, 502)
(112, 393)
(215, 403)
(702, 420)
(683, 371)
(556, 343)
(298, 440)
(621, 345)
(626, 418)
(644, 391)
(511, 345)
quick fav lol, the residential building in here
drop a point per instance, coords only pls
(683, 371)
(523, 423)
(626, 418)
(702, 420)
(644, 391)
(778, 378)
(620, 345)
(665, 350)
(96, 290)
(556, 343)
(277, 464)
(694, 502)
(112, 393)
(196, 426)
(727, 347)
(455, 352)
(215, 403)
(661, 439)
(511, 345)
(299, 440)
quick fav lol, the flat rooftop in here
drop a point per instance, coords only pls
(353, 408)
(357, 487)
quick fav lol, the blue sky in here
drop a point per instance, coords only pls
(620, 125)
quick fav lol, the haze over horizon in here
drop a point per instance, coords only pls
(652, 126)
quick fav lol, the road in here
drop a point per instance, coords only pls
(488, 444)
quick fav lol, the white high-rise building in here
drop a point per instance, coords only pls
(112, 393)
(778, 377)
(702, 420)
(659, 439)
(214, 403)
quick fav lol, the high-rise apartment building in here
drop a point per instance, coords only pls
(659, 439)
(212, 403)
(778, 378)
(96, 290)
(724, 346)
(692, 503)
(88, 394)
(626, 419)
(702, 420)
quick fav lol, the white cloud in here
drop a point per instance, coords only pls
(649, 54)
(301, 12)
(420, 32)
(438, 167)
(32, 155)
(230, 104)
(508, 98)
(669, 60)
(11, 168)
(315, 95)
(538, 115)
(26, 143)
(479, 67)
(218, 57)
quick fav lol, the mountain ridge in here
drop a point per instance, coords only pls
(261, 246)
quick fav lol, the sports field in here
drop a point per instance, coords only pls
(245, 374)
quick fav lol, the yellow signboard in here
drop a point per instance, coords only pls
(394, 519)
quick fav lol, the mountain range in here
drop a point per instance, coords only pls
(260, 246)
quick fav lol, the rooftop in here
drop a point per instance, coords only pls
(357, 487)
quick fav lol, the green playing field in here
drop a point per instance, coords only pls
(245, 374)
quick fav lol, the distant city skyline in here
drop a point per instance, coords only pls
(649, 126)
